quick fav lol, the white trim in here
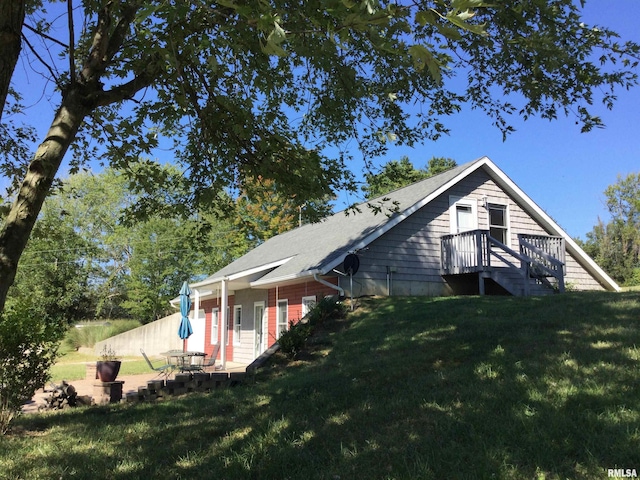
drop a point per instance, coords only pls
(224, 305)
(405, 214)
(283, 278)
(237, 322)
(456, 201)
(529, 206)
(215, 321)
(278, 319)
(507, 220)
(259, 348)
(307, 299)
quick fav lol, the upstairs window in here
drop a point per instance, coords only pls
(498, 223)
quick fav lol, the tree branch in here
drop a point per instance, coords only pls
(46, 65)
(45, 36)
(126, 90)
(72, 43)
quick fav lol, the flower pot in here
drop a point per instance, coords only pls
(107, 371)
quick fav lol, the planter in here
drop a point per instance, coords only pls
(107, 371)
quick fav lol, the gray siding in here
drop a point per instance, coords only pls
(406, 259)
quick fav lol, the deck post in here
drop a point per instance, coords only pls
(479, 262)
(481, 283)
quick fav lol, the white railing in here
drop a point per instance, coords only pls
(547, 256)
(477, 251)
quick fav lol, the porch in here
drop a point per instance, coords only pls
(538, 267)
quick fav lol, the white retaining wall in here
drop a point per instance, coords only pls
(153, 338)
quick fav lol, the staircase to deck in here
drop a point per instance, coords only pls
(537, 269)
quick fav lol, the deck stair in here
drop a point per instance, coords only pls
(537, 269)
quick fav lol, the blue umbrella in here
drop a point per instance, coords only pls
(185, 329)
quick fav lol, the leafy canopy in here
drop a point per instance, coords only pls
(400, 173)
(247, 90)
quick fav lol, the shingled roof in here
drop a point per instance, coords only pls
(318, 248)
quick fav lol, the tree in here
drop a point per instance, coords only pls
(12, 13)
(263, 212)
(89, 256)
(56, 270)
(222, 80)
(616, 244)
(396, 174)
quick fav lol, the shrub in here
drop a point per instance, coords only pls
(326, 309)
(293, 340)
(88, 335)
(28, 348)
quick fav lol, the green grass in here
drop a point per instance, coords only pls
(68, 370)
(405, 388)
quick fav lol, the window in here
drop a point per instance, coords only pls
(215, 325)
(259, 318)
(307, 304)
(463, 214)
(283, 324)
(498, 223)
(237, 323)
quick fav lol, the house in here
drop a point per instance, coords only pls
(469, 230)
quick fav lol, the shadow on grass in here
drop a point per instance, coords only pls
(414, 388)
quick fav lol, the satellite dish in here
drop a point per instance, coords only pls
(351, 264)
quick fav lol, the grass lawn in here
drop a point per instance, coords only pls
(405, 388)
(72, 366)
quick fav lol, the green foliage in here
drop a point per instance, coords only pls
(326, 309)
(28, 347)
(54, 268)
(405, 388)
(397, 174)
(262, 211)
(293, 340)
(616, 244)
(92, 255)
(89, 333)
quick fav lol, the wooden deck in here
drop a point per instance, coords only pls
(539, 261)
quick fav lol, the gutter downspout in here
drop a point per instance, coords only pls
(331, 285)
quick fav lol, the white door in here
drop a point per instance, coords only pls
(195, 343)
(260, 327)
(463, 217)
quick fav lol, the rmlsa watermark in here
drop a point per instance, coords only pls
(622, 473)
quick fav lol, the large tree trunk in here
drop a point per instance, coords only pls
(11, 19)
(42, 170)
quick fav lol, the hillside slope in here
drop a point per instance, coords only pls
(404, 388)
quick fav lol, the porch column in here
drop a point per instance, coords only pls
(224, 302)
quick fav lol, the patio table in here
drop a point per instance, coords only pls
(185, 361)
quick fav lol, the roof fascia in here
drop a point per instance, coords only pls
(241, 274)
(284, 278)
(404, 214)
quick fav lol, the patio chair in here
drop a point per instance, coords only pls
(212, 359)
(165, 370)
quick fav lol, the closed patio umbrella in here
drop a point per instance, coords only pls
(185, 329)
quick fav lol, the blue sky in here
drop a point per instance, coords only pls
(564, 171)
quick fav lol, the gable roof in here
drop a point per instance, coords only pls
(320, 247)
